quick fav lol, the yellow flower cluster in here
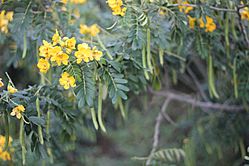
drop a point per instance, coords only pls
(210, 25)
(116, 6)
(67, 81)
(4, 20)
(183, 7)
(93, 30)
(87, 54)
(4, 155)
(57, 53)
(74, 1)
(17, 111)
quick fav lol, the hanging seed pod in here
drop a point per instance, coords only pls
(39, 116)
(144, 63)
(94, 119)
(101, 124)
(211, 81)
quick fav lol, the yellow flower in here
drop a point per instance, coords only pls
(67, 81)
(70, 43)
(9, 15)
(96, 54)
(245, 14)
(45, 50)
(1, 83)
(184, 8)
(94, 30)
(84, 53)
(84, 29)
(11, 89)
(43, 65)
(119, 11)
(201, 23)
(56, 38)
(4, 20)
(59, 56)
(4, 155)
(191, 22)
(210, 25)
(114, 3)
(2, 140)
(116, 6)
(17, 111)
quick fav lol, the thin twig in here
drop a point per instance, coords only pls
(159, 120)
(195, 80)
(189, 99)
(168, 118)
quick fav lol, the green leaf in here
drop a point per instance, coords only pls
(36, 120)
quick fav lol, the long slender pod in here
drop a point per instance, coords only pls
(101, 124)
(94, 119)
(39, 126)
(235, 79)
(149, 50)
(144, 63)
(22, 141)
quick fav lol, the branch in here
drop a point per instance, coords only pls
(188, 99)
(159, 120)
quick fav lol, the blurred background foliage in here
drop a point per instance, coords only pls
(199, 136)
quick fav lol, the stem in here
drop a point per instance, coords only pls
(104, 48)
(101, 124)
(42, 79)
